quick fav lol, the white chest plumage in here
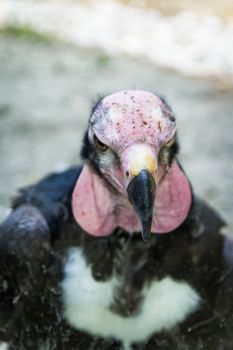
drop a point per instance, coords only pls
(87, 304)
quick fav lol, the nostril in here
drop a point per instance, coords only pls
(127, 174)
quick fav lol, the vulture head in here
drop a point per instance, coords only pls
(130, 178)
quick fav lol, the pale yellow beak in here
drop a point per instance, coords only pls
(140, 157)
(140, 166)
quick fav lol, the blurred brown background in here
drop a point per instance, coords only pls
(222, 8)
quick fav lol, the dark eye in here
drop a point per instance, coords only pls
(100, 145)
(170, 143)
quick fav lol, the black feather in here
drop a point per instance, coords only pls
(35, 240)
(51, 196)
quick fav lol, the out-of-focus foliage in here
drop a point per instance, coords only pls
(25, 32)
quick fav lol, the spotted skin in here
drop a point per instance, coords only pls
(31, 275)
(128, 117)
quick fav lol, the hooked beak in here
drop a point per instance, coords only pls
(141, 193)
(139, 163)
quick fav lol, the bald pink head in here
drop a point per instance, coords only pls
(131, 134)
(129, 117)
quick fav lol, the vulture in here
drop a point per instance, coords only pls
(117, 253)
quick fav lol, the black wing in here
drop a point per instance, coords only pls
(26, 240)
(51, 196)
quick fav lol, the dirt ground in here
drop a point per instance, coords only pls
(46, 90)
(223, 8)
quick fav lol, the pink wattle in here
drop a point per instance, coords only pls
(99, 211)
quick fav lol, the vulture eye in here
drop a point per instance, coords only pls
(170, 143)
(100, 145)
